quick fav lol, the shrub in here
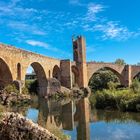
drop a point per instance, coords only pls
(10, 88)
(123, 100)
(101, 78)
(105, 99)
(111, 85)
(32, 86)
(25, 90)
(135, 86)
(1, 110)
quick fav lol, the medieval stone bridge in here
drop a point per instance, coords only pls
(15, 62)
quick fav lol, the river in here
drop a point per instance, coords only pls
(77, 119)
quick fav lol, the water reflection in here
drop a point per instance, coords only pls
(78, 120)
(66, 115)
(82, 116)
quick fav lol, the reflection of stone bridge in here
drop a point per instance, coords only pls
(67, 115)
(14, 63)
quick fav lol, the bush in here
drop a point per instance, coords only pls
(1, 110)
(112, 86)
(10, 88)
(135, 86)
(101, 78)
(32, 86)
(123, 100)
(105, 99)
(25, 90)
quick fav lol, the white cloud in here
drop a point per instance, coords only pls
(95, 8)
(112, 30)
(13, 9)
(37, 43)
(46, 22)
(44, 45)
(92, 10)
(26, 27)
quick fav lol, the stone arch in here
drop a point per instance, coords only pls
(111, 69)
(5, 74)
(41, 78)
(137, 75)
(75, 76)
(18, 71)
(56, 73)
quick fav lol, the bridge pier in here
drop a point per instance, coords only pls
(127, 76)
(66, 73)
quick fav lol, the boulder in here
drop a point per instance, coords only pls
(54, 86)
(14, 126)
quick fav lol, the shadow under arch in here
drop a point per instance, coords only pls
(5, 74)
(56, 73)
(75, 76)
(119, 76)
(41, 78)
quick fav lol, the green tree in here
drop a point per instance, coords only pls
(135, 86)
(120, 62)
(101, 78)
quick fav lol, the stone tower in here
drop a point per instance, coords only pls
(79, 56)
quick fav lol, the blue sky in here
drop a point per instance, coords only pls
(111, 27)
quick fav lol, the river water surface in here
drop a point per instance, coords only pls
(77, 119)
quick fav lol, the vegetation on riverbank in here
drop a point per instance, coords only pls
(108, 94)
(10, 96)
(31, 86)
(121, 99)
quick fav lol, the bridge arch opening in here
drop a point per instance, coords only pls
(75, 76)
(100, 79)
(5, 74)
(36, 77)
(56, 73)
(137, 76)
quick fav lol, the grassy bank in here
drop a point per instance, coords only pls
(121, 99)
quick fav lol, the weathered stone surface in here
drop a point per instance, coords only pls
(54, 86)
(65, 90)
(16, 127)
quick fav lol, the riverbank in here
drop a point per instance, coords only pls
(10, 99)
(120, 99)
(10, 96)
